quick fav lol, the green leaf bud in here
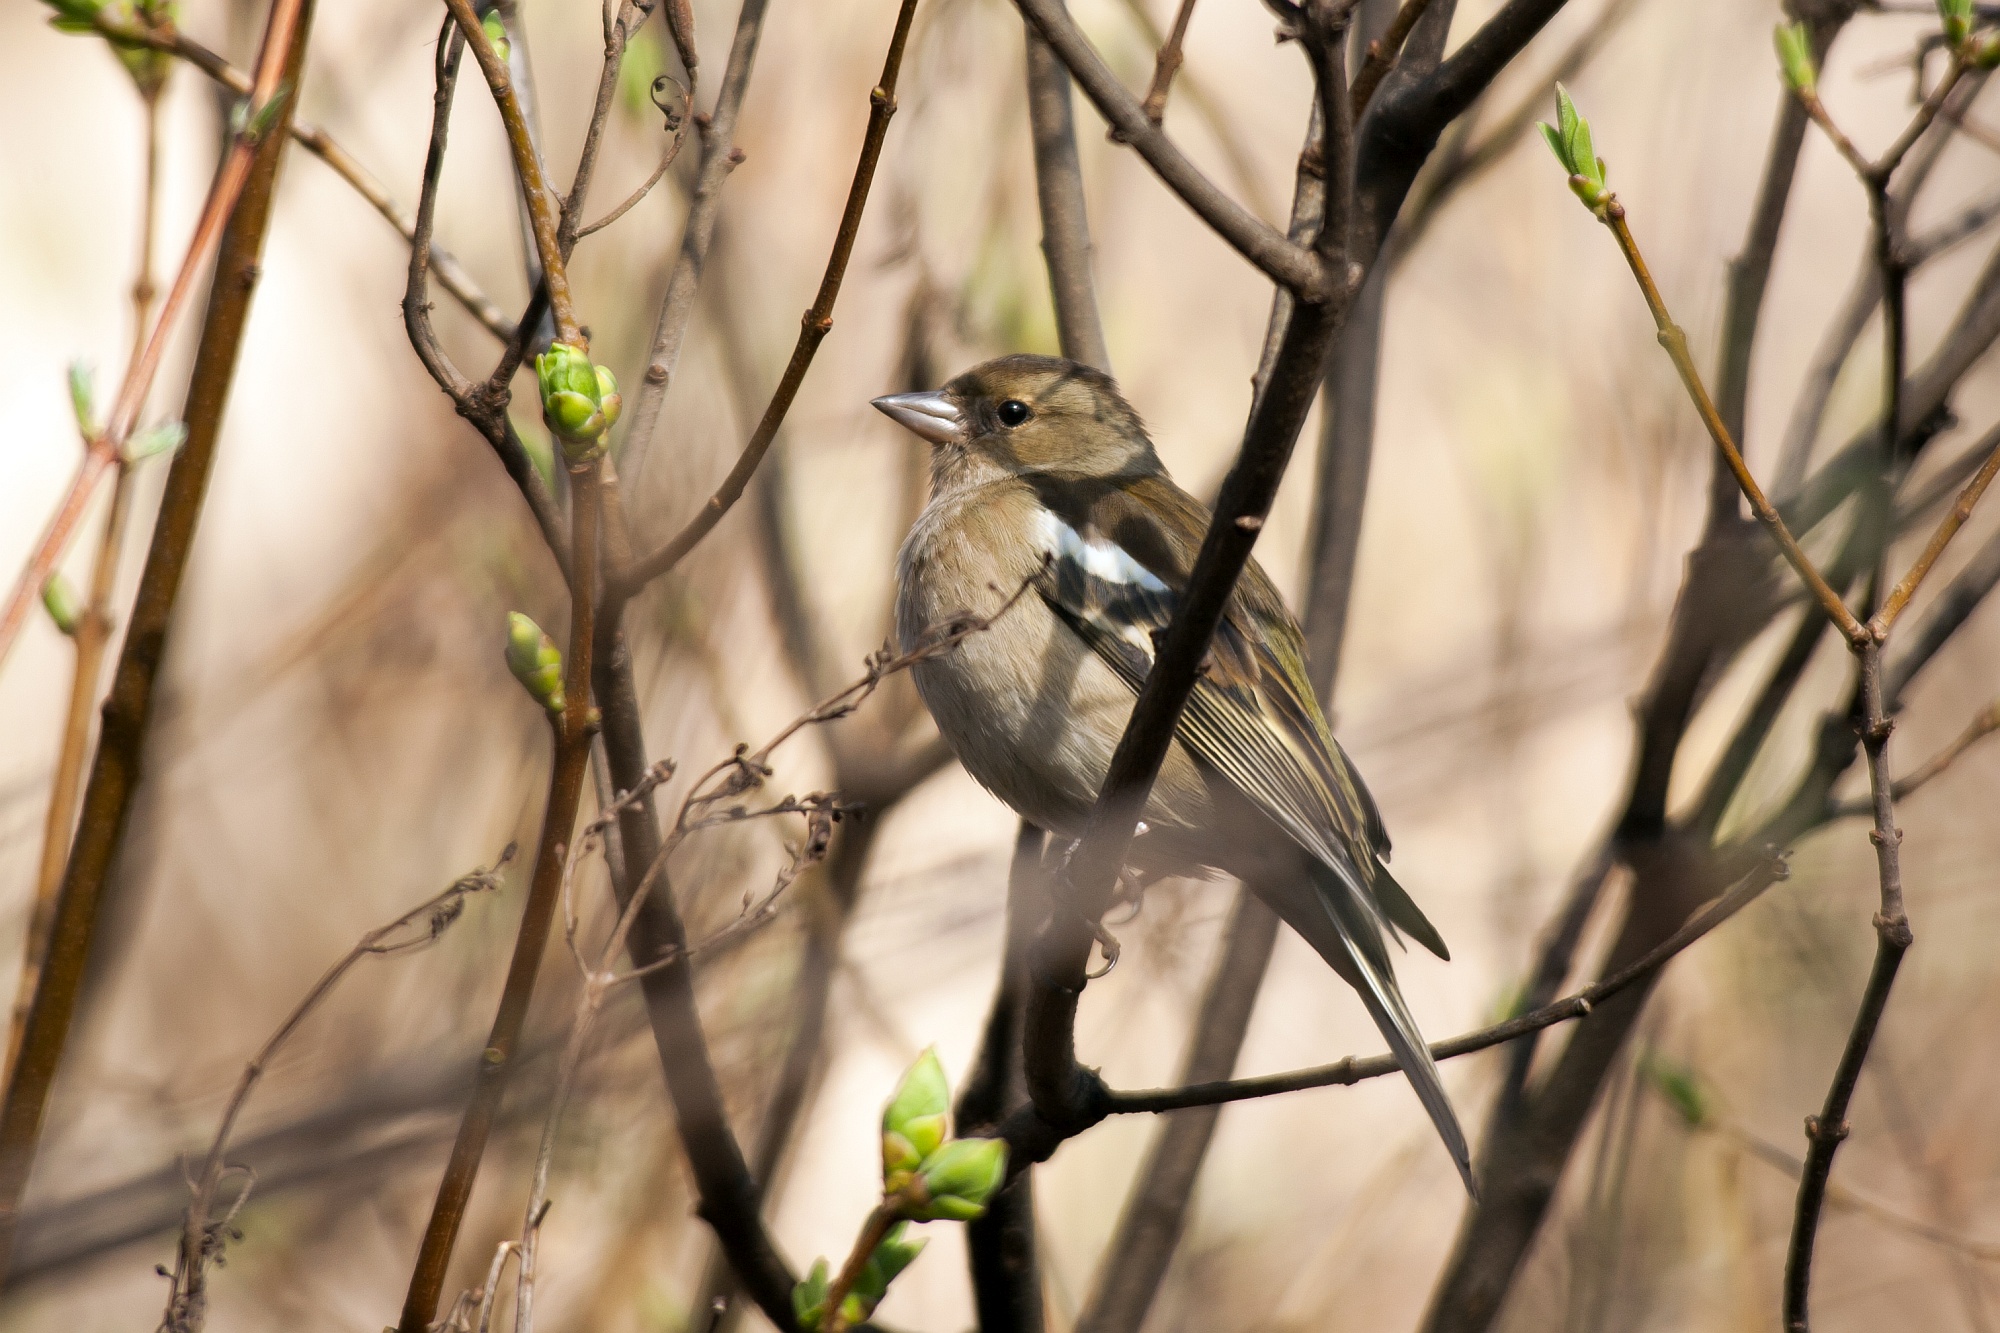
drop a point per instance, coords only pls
(496, 36)
(957, 1180)
(165, 438)
(913, 1123)
(63, 605)
(574, 394)
(1985, 53)
(535, 661)
(1795, 59)
(1569, 140)
(75, 15)
(809, 1296)
(889, 1258)
(609, 401)
(1678, 1084)
(82, 399)
(1956, 16)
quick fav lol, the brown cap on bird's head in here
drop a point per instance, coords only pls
(1032, 414)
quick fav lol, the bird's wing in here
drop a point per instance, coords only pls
(1119, 556)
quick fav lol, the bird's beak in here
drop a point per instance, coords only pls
(931, 415)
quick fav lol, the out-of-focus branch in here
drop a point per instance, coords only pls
(818, 320)
(1299, 270)
(719, 157)
(233, 228)
(91, 635)
(1000, 1245)
(1580, 1005)
(452, 275)
(571, 732)
(1948, 613)
(1059, 191)
(1135, 1263)
(203, 1235)
(1750, 272)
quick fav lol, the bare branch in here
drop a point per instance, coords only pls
(1285, 263)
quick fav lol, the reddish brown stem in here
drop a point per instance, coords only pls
(116, 770)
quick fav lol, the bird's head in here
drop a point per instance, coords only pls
(1020, 415)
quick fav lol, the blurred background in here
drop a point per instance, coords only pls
(338, 737)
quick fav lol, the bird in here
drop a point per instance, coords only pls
(1043, 477)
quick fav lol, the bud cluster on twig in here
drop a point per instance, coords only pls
(927, 1176)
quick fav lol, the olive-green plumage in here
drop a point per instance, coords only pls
(1042, 473)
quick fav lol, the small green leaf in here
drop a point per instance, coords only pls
(913, 1123)
(82, 399)
(1795, 60)
(1555, 143)
(496, 36)
(165, 438)
(1566, 123)
(958, 1179)
(809, 1296)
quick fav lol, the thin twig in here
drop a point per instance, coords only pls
(1906, 587)
(543, 206)
(678, 122)
(818, 320)
(1166, 64)
(1674, 339)
(1825, 1131)
(1984, 723)
(1382, 54)
(92, 635)
(202, 1237)
(1298, 269)
(1578, 1005)
(719, 157)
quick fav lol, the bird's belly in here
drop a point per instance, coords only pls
(1030, 710)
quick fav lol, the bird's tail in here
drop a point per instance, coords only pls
(1353, 947)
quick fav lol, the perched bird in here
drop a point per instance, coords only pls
(1041, 472)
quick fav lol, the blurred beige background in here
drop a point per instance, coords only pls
(339, 739)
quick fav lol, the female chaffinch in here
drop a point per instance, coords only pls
(1042, 473)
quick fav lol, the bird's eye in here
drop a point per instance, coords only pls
(1013, 412)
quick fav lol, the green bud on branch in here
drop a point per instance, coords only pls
(496, 36)
(82, 400)
(1569, 140)
(63, 605)
(1956, 16)
(1984, 53)
(580, 401)
(165, 438)
(809, 1296)
(913, 1123)
(535, 661)
(1795, 59)
(956, 1181)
